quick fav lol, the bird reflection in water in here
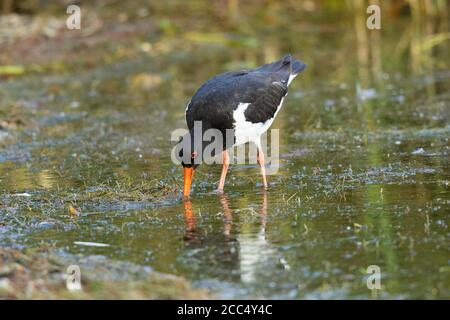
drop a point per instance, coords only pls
(196, 236)
(193, 234)
(243, 247)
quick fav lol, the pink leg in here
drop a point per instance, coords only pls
(225, 165)
(263, 168)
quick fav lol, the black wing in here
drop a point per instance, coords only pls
(267, 99)
(216, 100)
(263, 87)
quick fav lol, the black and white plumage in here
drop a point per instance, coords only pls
(245, 102)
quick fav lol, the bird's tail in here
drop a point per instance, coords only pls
(297, 66)
(286, 66)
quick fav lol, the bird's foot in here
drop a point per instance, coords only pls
(218, 191)
(265, 186)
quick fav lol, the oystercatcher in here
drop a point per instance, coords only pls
(245, 102)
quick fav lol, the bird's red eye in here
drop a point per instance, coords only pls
(194, 154)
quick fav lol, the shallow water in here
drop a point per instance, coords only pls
(363, 179)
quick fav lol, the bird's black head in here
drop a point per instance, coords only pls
(195, 147)
(190, 152)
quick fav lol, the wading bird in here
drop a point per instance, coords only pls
(245, 102)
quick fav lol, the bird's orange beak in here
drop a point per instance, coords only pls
(188, 175)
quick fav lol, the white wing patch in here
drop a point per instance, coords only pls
(246, 131)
